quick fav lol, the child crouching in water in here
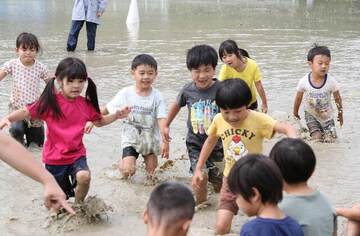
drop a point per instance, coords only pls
(140, 131)
(65, 113)
(257, 183)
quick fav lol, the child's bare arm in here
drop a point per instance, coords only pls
(174, 110)
(2, 74)
(261, 91)
(107, 119)
(18, 115)
(286, 129)
(90, 125)
(297, 102)
(349, 213)
(206, 150)
(338, 102)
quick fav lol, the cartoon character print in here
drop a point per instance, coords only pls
(236, 148)
(319, 102)
(202, 114)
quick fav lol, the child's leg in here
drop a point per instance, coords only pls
(91, 34)
(151, 162)
(314, 126)
(227, 209)
(127, 164)
(76, 26)
(80, 171)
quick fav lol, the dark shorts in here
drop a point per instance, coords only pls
(327, 128)
(130, 151)
(253, 106)
(65, 175)
(217, 155)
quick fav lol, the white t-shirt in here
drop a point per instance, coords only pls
(140, 129)
(317, 100)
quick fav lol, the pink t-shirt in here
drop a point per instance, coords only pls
(64, 136)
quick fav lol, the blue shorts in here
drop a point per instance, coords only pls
(65, 175)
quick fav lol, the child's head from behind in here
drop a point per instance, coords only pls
(71, 76)
(201, 60)
(233, 97)
(144, 71)
(319, 58)
(257, 181)
(27, 46)
(172, 206)
(295, 158)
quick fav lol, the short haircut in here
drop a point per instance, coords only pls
(27, 40)
(230, 47)
(233, 94)
(143, 59)
(295, 158)
(318, 50)
(201, 55)
(169, 203)
(256, 171)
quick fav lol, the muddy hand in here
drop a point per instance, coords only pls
(165, 150)
(55, 199)
(196, 179)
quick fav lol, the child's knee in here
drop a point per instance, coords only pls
(151, 163)
(222, 228)
(83, 177)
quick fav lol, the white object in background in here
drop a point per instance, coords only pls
(133, 14)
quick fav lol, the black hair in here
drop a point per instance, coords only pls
(70, 68)
(318, 50)
(144, 59)
(256, 171)
(201, 55)
(169, 203)
(230, 47)
(295, 158)
(233, 94)
(27, 40)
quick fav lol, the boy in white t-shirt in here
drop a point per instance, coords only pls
(140, 130)
(317, 86)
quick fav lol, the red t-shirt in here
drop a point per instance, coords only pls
(64, 145)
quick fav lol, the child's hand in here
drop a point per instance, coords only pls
(340, 117)
(124, 112)
(296, 115)
(166, 135)
(54, 197)
(4, 122)
(264, 108)
(99, 14)
(165, 150)
(196, 179)
(88, 127)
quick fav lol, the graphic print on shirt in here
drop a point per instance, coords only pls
(236, 148)
(201, 115)
(319, 102)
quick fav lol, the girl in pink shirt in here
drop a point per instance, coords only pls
(65, 113)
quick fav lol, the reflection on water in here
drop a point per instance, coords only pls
(277, 34)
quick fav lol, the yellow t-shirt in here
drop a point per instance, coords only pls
(246, 138)
(250, 75)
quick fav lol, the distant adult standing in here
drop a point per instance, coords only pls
(88, 11)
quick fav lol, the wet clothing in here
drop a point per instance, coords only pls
(140, 129)
(250, 75)
(313, 212)
(64, 144)
(201, 111)
(271, 227)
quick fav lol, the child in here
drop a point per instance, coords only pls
(257, 184)
(199, 97)
(140, 131)
(169, 210)
(318, 87)
(242, 131)
(88, 11)
(20, 159)
(66, 113)
(353, 216)
(27, 74)
(306, 205)
(239, 65)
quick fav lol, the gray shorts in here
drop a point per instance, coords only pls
(327, 128)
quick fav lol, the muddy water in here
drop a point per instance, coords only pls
(276, 33)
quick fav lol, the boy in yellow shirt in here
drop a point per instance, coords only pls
(242, 131)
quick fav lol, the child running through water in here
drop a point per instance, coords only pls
(65, 114)
(257, 183)
(199, 97)
(140, 131)
(239, 65)
(242, 131)
(27, 74)
(317, 86)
